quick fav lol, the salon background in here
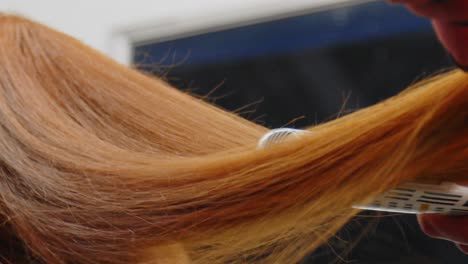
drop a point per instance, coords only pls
(308, 69)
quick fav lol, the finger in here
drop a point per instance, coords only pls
(448, 10)
(453, 228)
(455, 38)
(463, 248)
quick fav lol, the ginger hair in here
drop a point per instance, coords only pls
(100, 163)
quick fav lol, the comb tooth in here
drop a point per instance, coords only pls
(282, 136)
(279, 137)
(276, 138)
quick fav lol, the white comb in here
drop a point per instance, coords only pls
(279, 135)
(410, 198)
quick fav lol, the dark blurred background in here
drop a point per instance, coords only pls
(303, 70)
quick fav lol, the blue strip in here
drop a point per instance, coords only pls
(323, 29)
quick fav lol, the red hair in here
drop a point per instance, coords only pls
(100, 163)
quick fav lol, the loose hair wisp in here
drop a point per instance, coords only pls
(100, 163)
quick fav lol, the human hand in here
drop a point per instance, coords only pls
(453, 228)
(450, 21)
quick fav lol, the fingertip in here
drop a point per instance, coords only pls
(426, 225)
(448, 227)
(463, 248)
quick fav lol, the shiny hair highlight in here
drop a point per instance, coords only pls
(100, 163)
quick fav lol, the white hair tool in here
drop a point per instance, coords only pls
(411, 198)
